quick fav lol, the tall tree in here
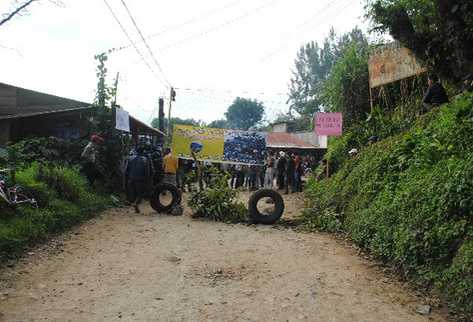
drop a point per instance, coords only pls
(244, 113)
(347, 87)
(313, 66)
(439, 32)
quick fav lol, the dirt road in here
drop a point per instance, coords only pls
(127, 267)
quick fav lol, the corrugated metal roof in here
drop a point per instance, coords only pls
(30, 103)
(41, 110)
(286, 141)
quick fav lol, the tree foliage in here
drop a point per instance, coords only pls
(219, 124)
(439, 32)
(313, 66)
(244, 113)
(176, 121)
(347, 87)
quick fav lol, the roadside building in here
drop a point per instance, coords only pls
(26, 113)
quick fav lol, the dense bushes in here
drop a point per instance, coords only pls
(50, 149)
(409, 200)
(64, 200)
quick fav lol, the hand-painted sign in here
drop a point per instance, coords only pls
(211, 140)
(122, 120)
(391, 63)
(329, 124)
(220, 145)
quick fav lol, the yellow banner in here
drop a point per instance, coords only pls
(212, 140)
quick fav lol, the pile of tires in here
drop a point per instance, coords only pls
(262, 218)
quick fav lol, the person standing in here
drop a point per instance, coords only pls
(170, 166)
(90, 158)
(281, 169)
(435, 95)
(289, 175)
(270, 172)
(137, 176)
(298, 172)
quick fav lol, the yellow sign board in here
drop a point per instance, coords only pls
(211, 139)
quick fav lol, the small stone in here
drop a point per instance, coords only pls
(423, 309)
(174, 259)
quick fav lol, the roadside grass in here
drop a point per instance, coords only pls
(64, 200)
(408, 200)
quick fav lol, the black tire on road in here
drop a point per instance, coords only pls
(266, 219)
(156, 202)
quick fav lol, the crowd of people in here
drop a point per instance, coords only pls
(148, 165)
(283, 171)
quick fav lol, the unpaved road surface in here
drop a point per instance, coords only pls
(127, 267)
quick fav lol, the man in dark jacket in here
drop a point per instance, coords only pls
(137, 175)
(435, 95)
(281, 170)
(290, 171)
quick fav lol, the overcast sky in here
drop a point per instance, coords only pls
(210, 50)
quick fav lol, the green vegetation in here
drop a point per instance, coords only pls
(218, 202)
(408, 199)
(64, 200)
(244, 113)
(440, 33)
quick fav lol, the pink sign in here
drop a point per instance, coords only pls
(329, 124)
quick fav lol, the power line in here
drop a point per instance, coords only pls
(340, 10)
(146, 43)
(228, 97)
(132, 42)
(233, 92)
(219, 26)
(183, 24)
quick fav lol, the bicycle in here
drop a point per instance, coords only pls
(15, 195)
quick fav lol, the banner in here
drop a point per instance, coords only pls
(122, 120)
(244, 147)
(220, 145)
(212, 140)
(329, 124)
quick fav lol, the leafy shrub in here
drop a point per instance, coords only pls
(45, 150)
(64, 199)
(218, 202)
(409, 200)
(66, 181)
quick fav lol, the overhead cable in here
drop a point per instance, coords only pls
(133, 43)
(220, 26)
(341, 9)
(146, 43)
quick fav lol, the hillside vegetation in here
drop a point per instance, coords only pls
(408, 199)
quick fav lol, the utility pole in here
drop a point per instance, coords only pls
(161, 114)
(172, 98)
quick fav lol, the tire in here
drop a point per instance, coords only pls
(266, 219)
(156, 203)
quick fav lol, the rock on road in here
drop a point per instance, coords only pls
(126, 267)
